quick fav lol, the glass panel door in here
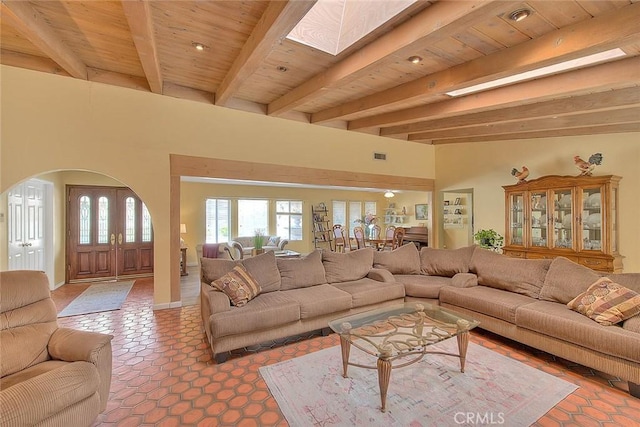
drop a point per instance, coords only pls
(562, 218)
(516, 212)
(539, 220)
(591, 219)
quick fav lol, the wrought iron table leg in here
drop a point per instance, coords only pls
(384, 375)
(463, 343)
(345, 345)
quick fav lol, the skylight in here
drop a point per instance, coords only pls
(544, 71)
(334, 25)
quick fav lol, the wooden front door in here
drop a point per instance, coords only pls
(109, 234)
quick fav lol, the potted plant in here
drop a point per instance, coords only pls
(489, 239)
(258, 241)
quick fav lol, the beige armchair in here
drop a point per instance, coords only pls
(49, 376)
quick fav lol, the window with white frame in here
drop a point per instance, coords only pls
(370, 208)
(217, 220)
(339, 212)
(253, 214)
(289, 219)
(355, 216)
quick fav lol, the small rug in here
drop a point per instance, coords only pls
(494, 389)
(98, 297)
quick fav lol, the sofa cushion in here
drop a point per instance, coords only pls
(403, 260)
(445, 262)
(37, 398)
(607, 302)
(628, 280)
(632, 324)
(264, 269)
(558, 321)
(522, 276)
(320, 300)
(490, 301)
(214, 268)
(266, 311)
(367, 291)
(238, 285)
(565, 280)
(301, 272)
(416, 285)
(349, 266)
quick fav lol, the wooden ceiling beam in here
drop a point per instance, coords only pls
(434, 23)
(278, 20)
(555, 133)
(583, 38)
(31, 62)
(138, 14)
(31, 24)
(614, 75)
(626, 115)
(600, 101)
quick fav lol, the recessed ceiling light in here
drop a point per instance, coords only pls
(282, 68)
(414, 59)
(519, 15)
(198, 46)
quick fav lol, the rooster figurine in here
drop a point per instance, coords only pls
(586, 168)
(522, 175)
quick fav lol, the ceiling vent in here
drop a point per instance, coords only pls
(379, 156)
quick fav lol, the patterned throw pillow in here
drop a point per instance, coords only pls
(607, 302)
(238, 285)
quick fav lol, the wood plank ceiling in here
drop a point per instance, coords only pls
(247, 63)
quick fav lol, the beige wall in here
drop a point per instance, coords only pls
(52, 123)
(486, 167)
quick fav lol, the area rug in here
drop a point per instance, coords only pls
(494, 389)
(98, 297)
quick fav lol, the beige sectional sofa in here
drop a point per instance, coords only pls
(524, 300)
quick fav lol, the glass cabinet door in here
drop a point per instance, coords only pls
(562, 222)
(539, 220)
(591, 219)
(516, 219)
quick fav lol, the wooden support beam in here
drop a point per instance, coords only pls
(555, 133)
(138, 14)
(614, 75)
(626, 115)
(583, 38)
(600, 101)
(30, 23)
(434, 23)
(277, 21)
(31, 62)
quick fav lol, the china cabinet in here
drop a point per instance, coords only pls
(574, 217)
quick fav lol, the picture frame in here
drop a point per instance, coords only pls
(446, 203)
(458, 200)
(422, 211)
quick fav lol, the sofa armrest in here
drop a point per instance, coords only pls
(71, 345)
(464, 280)
(238, 248)
(218, 301)
(282, 244)
(381, 275)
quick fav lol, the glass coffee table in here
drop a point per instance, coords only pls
(402, 334)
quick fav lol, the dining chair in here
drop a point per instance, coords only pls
(375, 231)
(398, 237)
(338, 238)
(388, 237)
(358, 234)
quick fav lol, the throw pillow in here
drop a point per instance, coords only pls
(238, 285)
(301, 272)
(607, 302)
(403, 260)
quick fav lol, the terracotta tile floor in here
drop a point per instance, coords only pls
(163, 373)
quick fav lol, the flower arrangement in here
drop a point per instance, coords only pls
(258, 239)
(367, 222)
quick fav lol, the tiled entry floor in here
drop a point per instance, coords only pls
(163, 372)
